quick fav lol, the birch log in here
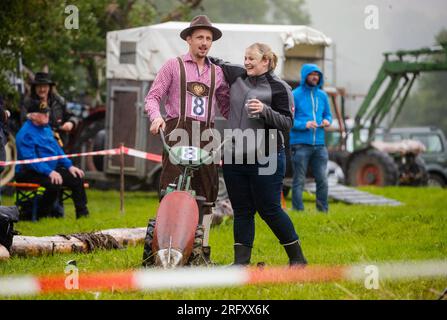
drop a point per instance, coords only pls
(25, 246)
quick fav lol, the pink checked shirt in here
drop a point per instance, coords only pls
(167, 84)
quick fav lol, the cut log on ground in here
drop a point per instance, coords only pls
(25, 246)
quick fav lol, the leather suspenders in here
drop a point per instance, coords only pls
(182, 89)
(211, 95)
(183, 84)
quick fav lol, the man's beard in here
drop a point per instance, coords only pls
(310, 84)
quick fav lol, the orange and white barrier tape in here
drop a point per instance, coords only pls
(156, 279)
(116, 151)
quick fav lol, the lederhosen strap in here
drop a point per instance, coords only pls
(210, 98)
(183, 91)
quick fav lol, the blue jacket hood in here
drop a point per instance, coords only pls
(307, 69)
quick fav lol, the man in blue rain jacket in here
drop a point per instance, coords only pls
(36, 140)
(312, 115)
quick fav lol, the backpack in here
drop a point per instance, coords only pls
(8, 216)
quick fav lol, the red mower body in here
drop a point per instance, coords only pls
(175, 227)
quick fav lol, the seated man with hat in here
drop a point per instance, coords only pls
(36, 140)
(62, 121)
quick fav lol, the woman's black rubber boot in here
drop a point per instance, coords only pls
(242, 255)
(295, 254)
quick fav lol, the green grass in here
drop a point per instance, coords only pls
(348, 234)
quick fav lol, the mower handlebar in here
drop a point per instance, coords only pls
(209, 157)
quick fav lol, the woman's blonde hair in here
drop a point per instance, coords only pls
(266, 52)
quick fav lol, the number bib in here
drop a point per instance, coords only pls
(198, 106)
(198, 93)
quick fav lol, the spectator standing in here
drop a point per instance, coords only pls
(307, 137)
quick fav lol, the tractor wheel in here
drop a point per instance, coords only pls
(436, 180)
(372, 167)
(196, 258)
(148, 256)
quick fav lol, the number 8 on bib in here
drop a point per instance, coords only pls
(198, 106)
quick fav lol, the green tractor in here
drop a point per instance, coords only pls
(366, 161)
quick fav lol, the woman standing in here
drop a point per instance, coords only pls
(261, 103)
(61, 120)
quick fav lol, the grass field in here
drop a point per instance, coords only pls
(348, 234)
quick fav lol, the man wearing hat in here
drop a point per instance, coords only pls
(36, 140)
(192, 88)
(61, 120)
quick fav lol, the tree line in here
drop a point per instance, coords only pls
(35, 30)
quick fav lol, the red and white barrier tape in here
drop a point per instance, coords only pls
(117, 151)
(156, 279)
(142, 154)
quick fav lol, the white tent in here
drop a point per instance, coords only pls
(138, 53)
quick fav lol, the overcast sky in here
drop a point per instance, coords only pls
(402, 24)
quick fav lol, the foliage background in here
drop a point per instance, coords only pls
(35, 29)
(428, 102)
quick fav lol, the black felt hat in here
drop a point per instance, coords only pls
(42, 78)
